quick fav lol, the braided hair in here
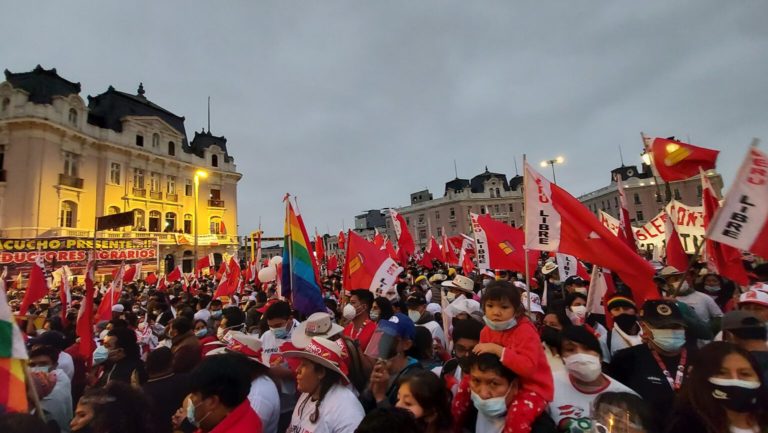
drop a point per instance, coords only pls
(330, 379)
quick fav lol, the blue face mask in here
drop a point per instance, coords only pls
(201, 333)
(216, 314)
(500, 326)
(280, 333)
(100, 355)
(490, 407)
(669, 340)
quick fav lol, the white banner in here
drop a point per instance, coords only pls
(742, 220)
(567, 265)
(481, 245)
(542, 222)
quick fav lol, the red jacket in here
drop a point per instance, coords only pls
(242, 419)
(524, 355)
(365, 334)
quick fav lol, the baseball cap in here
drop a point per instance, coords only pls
(660, 313)
(740, 319)
(575, 279)
(399, 325)
(753, 296)
(416, 299)
(49, 338)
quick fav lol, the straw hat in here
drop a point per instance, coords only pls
(548, 268)
(317, 325)
(245, 344)
(462, 283)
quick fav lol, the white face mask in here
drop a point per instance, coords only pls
(450, 296)
(414, 315)
(583, 366)
(349, 312)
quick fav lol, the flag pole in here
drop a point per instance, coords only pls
(525, 250)
(288, 239)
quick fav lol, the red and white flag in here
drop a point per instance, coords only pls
(319, 247)
(674, 254)
(449, 254)
(37, 286)
(556, 221)
(378, 238)
(65, 293)
(501, 246)
(341, 241)
(390, 249)
(84, 326)
(368, 267)
(174, 275)
(467, 248)
(151, 278)
(626, 233)
(132, 273)
(675, 160)
(570, 266)
(405, 244)
(724, 258)
(230, 280)
(204, 262)
(112, 296)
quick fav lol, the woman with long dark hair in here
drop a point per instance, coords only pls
(424, 394)
(116, 408)
(724, 393)
(326, 404)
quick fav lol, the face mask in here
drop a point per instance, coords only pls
(349, 312)
(41, 369)
(734, 394)
(201, 333)
(191, 414)
(550, 336)
(414, 315)
(500, 326)
(216, 314)
(579, 311)
(490, 407)
(100, 355)
(669, 340)
(103, 334)
(712, 289)
(583, 366)
(576, 314)
(280, 333)
(450, 296)
(136, 310)
(486, 282)
(625, 321)
(374, 315)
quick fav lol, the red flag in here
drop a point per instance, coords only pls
(368, 266)
(162, 286)
(449, 254)
(556, 221)
(174, 275)
(230, 280)
(151, 278)
(65, 294)
(626, 234)
(503, 244)
(84, 326)
(378, 238)
(725, 259)
(390, 249)
(333, 263)
(405, 244)
(743, 220)
(203, 262)
(37, 287)
(675, 254)
(319, 248)
(132, 273)
(675, 160)
(426, 260)
(341, 240)
(112, 296)
(222, 228)
(466, 265)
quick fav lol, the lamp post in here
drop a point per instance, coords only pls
(199, 174)
(551, 163)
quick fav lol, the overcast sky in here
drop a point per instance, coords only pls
(352, 105)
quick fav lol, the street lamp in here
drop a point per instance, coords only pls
(551, 163)
(199, 174)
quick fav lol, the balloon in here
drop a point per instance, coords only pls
(276, 260)
(267, 274)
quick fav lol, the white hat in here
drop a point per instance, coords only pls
(434, 308)
(118, 308)
(467, 306)
(535, 302)
(488, 273)
(203, 315)
(325, 352)
(437, 277)
(548, 268)
(754, 296)
(763, 287)
(317, 325)
(240, 342)
(669, 271)
(520, 285)
(462, 283)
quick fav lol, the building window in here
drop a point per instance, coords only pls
(421, 218)
(511, 207)
(422, 234)
(155, 140)
(215, 225)
(171, 148)
(439, 231)
(698, 191)
(659, 199)
(113, 210)
(482, 210)
(214, 160)
(170, 222)
(452, 213)
(154, 181)
(407, 221)
(496, 208)
(637, 198)
(187, 223)
(114, 173)
(498, 192)
(639, 216)
(138, 178)
(70, 164)
(73, 117)
(677, 194)
(154, 221)
(68, 216)
(138, 220)
(188, 188)
(616, 202)
(171, 184)
(139, 140)
(6, 104)
(437, 214)
(491, 190)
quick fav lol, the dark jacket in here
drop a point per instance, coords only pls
(166, 394)
(186, 352)
(369, 402)
(127, 370)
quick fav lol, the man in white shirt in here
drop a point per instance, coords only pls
(57, 405)
(581, 382)
(277, 339)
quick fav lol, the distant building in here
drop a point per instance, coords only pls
(487, 193)
(646, 196)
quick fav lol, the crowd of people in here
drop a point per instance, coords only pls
(440, 353)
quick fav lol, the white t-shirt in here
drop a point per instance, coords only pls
(265, 401)
(436, 331)
(340, 412)
(66, 364)
(487, 424)
(570, 407)
(271, 345)
(703, 305)
(621, 340)
(58, 404)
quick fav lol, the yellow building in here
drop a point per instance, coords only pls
(64, 162)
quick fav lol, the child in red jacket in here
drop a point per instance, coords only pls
(513, 338)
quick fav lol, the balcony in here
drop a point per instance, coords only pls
(156, 195)
(70, 181)
(172, 197)
(2, 176)
(139, 192)
(215, 203)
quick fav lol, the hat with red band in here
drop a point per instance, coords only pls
(325, 352)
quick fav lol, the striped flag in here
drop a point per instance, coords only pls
(299, 276)
(13, 356)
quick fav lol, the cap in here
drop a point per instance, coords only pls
(575, 279)
(419, 279)
(317, 325)
(434, 308)
(54, 339)
(740, 319)
(399, 325)
(661, 313)
(535, 302)
(467, 306)
(118, 308)
(753, 296)
(269, 303)
(620, 301)
(670, 271)
(488, 273)
(416, 299)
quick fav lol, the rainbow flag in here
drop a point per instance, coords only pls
(299, 280)
(13, 357)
